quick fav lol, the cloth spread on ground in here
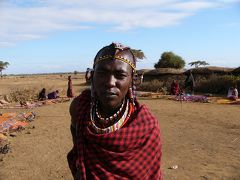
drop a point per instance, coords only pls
(14, 121)
(192, 98)
(228, 101)
(132, 152)
(31, 105)
(11, 122)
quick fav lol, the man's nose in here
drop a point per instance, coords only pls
(111, 81)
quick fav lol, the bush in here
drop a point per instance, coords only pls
(30, 93)
(216, 84)
(23, 95)
(153, 86)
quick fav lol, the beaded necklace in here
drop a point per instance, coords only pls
(111, 118)
(128, 110)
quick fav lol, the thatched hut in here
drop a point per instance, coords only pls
(206, 71)
(236, 71)
(163, 74)
(161, 79)
(143, 71)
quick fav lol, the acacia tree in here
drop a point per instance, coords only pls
(138, 53)
(3, 65)
(170, 60)
(196, 64)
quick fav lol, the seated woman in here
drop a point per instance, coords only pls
(42, 95)
(232, 93)
(53, 95)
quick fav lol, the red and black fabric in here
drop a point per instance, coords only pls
(132, 152)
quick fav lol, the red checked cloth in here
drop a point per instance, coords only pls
(132, 152)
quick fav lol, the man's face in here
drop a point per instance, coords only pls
(111, 81)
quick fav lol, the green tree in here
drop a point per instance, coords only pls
(138, 53)
(170, 60)
(3, 65)
(196, 64)
(75, 72)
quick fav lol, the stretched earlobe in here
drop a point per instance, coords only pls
(131, 94)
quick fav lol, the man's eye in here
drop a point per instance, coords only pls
(121, 76)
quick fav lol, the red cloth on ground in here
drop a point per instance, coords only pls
(132, 152)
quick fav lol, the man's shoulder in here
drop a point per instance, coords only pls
(81, 101)
(84, 95)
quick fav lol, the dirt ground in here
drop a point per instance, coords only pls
(202, 139)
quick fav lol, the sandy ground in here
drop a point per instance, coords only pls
(202, 139)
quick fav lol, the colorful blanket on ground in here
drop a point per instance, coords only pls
(14, 121)
(31, 105)
(10, 122)
(192, 98)
(228, 101)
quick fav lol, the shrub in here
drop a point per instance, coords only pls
(152, 86)
(30, 93)
(217, 84)
(23, 95)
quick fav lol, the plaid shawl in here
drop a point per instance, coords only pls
(132, 152)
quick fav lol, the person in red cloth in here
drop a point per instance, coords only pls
(114, 136)
(175, 88)
(70, 88)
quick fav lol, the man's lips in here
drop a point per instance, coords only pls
(110, 94)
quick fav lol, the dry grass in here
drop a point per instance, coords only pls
(27, 87)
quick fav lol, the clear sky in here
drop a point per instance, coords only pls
(44, 36)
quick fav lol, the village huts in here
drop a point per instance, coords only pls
(206, 72)
(236, 72)
(163, 74)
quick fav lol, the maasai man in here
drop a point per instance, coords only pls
(70, 88)
(114, 136)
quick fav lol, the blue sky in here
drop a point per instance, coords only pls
(44, 36)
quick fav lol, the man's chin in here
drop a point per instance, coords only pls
(110, 105)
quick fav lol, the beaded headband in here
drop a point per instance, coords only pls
(121, 47)
(109, 57)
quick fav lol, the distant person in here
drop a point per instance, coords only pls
(42, 95)
(88, 75)
(190, 82)
(70, 93)
(175, 90)
(53, 95)
(232, 93)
